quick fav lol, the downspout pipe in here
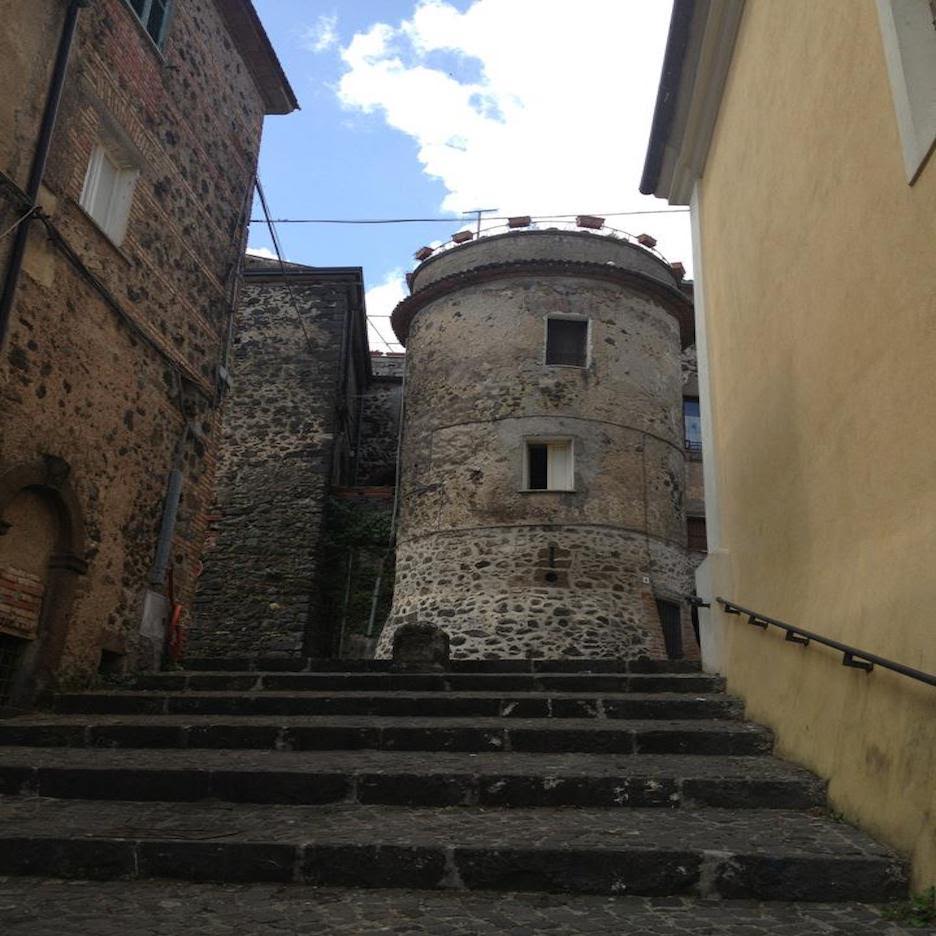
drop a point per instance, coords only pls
(167, 528)
(170, 509)
(40, 159)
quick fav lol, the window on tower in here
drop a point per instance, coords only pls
(548, 465)
(567, 341)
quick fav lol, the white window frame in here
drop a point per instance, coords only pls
(568, 317)
(909, 37)
(552, 483)
(113, 220)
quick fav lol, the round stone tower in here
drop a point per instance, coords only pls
(542, 474)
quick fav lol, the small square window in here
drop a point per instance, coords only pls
(108, 191)
(567, 341)
(548, 465)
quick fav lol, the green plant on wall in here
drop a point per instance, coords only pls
(355, 548)
(918, 912)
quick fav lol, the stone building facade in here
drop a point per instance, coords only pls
(312, 415)
(114, 328)
(543, 469)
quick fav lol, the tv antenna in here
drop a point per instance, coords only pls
(478, 212)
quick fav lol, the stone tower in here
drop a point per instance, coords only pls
(542, 475)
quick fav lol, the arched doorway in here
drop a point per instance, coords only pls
(41, 555)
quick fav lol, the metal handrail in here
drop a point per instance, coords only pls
(852, 656)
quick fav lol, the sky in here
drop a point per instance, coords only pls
(432, 108)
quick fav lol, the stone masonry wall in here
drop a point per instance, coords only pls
(380, 422)
(493, 590)
(258, 590)
(98, 391)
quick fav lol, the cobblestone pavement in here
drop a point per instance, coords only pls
(36, 907)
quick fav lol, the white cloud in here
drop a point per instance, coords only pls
(380, 301)
(261, 252)
(527, 106)
(323, 35)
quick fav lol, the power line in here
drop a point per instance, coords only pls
(552, 217)
(274, 237)
(271, 226)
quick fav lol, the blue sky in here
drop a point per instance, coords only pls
(426, 108)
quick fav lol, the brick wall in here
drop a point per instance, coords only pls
(20, 602)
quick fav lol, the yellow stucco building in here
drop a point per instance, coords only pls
(801, 134)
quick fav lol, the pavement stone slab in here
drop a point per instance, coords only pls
(42, 907)
(639, 705)
(769, 854)
(409, 778)
(588, 735)
(756, 831)
(256, 681)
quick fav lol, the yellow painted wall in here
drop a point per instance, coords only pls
(819, 269)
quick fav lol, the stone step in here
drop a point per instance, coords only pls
(440, 705)
(430, 682)
(570, 665)
(407, 779)
(168, 908)
(619, 736)
(763, 854)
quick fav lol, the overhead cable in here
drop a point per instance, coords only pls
(274, 237)
(455, 220)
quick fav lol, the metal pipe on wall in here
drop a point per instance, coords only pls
(40, 159)
(167, 528)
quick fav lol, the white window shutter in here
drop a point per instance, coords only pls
(108, 192)
(559, 466)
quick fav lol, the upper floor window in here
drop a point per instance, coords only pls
(692, 424)
(154, 15)
(108, 191)
(908, 32)
(548, 465)
(567, 341)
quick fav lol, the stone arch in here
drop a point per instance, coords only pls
(42, 527)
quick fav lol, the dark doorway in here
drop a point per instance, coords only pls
(671, 620)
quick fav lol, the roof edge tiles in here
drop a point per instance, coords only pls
(258, 53)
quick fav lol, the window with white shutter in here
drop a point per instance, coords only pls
(548, 465)
(108, 192)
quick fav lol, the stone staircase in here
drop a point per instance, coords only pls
(587, 777)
